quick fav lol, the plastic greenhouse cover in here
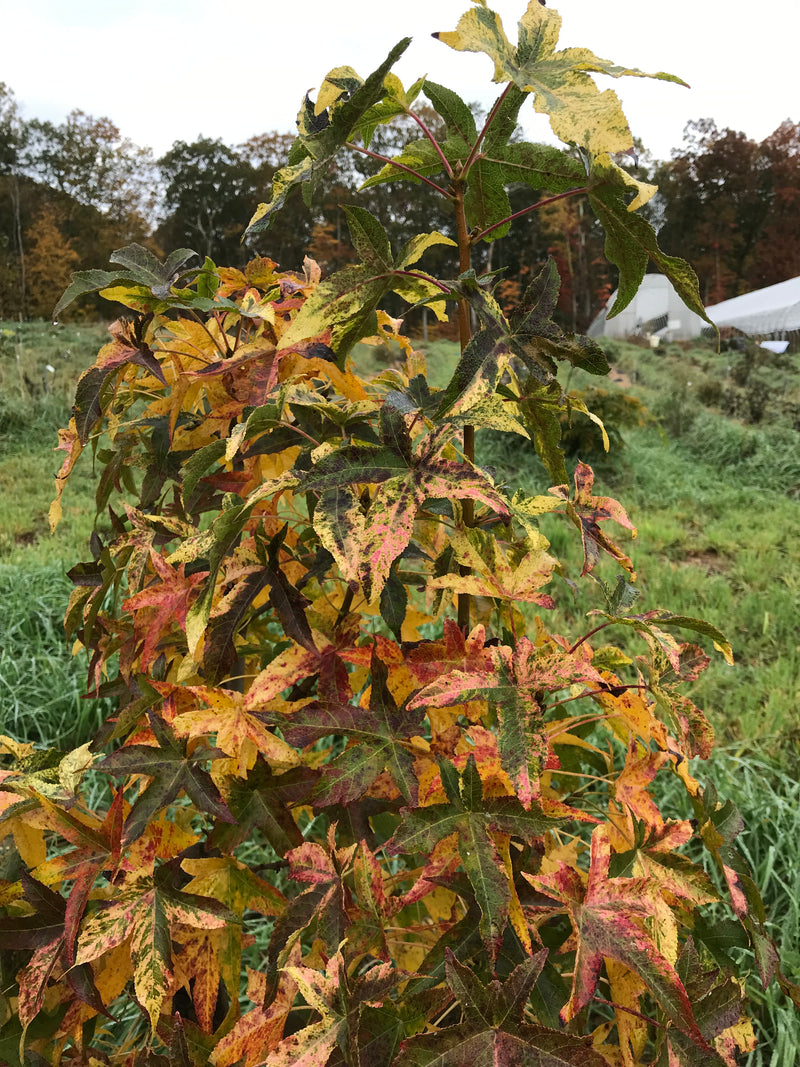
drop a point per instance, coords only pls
(775, 309)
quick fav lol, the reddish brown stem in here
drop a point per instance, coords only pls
(447, 168)
(590, 693)
(399, 166)
(630, 1011)
(489, 120)
(465, 335)
(528, 210)
(586, 637)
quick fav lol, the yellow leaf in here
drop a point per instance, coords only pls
(30, 842)
(626, 989)
(515, 914)
(439, 903)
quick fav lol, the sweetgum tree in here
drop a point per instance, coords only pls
(359, 804)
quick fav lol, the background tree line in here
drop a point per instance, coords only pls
(74, 191)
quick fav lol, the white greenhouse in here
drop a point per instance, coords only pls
(771, 314)
(656, 310)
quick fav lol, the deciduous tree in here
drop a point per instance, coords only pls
(334, 713)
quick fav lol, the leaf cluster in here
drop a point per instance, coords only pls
(341, 827)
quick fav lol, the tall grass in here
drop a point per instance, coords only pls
(769, 801)
(42, 685)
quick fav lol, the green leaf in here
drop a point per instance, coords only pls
(342, 306)
(88, 281)
(148, 270)
(380, 734)
(394, 602)
(458, 118)
(631, 242)
(532, 323)
(262, 802)
(208, 279)
(321, 137)
(142, 268)
(369, 238)
(720, 825)
(470, 817)
(219, 649)
(492, 1030)
(197, 464)
(700, 626)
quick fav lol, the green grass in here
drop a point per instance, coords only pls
(769, 801)
(34, 403)
(41, 682)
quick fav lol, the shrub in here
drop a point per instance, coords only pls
(335, 729)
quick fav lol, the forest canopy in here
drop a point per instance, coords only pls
(74, 191)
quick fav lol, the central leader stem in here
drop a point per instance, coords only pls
(465, 335)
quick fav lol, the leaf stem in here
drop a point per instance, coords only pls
(447, 168)
(592, 693)
(586, 637)
(424, 277)
(630, 1011)
(399, 166)
(224, 352)
(528, 210)
(489, 120)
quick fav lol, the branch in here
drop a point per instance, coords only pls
(586, 637)
(630, 1011)
(447, 168)
(399, 166)
(424, 278)
(528, 210)
(489, 120)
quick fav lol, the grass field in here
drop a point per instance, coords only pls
(712, 482)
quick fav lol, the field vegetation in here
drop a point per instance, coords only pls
(711, 475)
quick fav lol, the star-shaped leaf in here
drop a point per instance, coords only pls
(510, 682)
(492, 1030)
(145, 910)
(609, 919)
(173, 771)
(469, 816)
(366, 545)
(579, 112)
(380, 734)
(587, 512)
(321, 134)
(234, 717)
(161, 604)
(44, 931)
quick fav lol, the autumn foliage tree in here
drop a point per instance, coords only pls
(731, 207)
(51, 258)
(359, 803)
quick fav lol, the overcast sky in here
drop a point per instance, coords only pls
(164, 71)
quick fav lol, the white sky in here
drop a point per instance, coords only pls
(166, 71)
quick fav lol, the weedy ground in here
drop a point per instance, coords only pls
(708, 466)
